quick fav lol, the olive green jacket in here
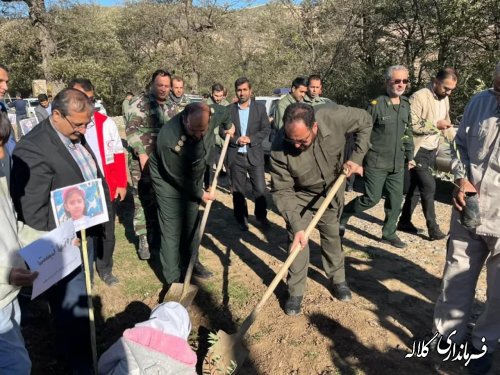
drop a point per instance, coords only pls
(313, 170)
(318, 100)
(280, 110)
(392, 137)
(178, 165)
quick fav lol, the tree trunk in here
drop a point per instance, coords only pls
(38, 16)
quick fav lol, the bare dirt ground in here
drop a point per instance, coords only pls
(393, 298)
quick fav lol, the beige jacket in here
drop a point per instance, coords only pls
(424, 118)
(14, 236)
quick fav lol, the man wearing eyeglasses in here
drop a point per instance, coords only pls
(306, 157)
(391, 144)
(430, 111)
(54, 155)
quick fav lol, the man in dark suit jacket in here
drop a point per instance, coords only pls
(54, 155)
(245, 154)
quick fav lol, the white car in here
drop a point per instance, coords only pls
(31, 103)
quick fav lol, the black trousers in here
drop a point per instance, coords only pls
(106, 246)
(238, 174)
(421, 180)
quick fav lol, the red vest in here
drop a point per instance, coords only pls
(115, 173)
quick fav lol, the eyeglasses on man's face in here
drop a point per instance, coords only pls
(302, 142)
(398, 81)
(75, 126)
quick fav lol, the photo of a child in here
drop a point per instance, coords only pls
(74, 203)
(84, 204)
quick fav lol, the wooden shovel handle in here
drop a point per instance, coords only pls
(293, 254)
(203, 223)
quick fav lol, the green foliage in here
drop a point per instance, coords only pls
(349, 43)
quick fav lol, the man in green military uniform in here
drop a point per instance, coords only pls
(177, 167)
(296, 95)
(391, 143)
(217, 97)
(146, 114)
(177, 98)
(314, 91)
(306, 158)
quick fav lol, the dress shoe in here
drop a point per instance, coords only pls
(292, 305)
(409, 228)
(200, 271)
(435, 234)
(143, 250)
(342, 292)
(109, 279)
(394, 241)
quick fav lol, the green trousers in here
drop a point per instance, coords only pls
(332, 256)
(377, 182)
(178, 219)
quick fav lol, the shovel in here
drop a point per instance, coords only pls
(88, 285)
(184, 293)
(228, 354)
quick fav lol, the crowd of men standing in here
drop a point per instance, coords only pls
(174, 143)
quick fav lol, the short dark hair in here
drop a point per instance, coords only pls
(240, 81)
(84, 82)
(299, 81)
(313, 77)
(129, 93)
(161, 73)
(5, 128)
(42, 97)
(4, 67)
(299, 111)
(178, 78)
(446, 73)
(217, 87)
(71, 99)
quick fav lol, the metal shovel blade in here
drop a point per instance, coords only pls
(175, 294)
(226, 356)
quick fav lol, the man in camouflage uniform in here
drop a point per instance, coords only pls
(177, 99)
(314, 91)
(146, 114)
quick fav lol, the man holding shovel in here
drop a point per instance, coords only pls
(177, 169)
(306, 158)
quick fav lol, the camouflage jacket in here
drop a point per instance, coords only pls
(143, 122)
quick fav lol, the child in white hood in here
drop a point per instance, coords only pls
(156, 346)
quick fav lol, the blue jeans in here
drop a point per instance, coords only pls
(14, 358)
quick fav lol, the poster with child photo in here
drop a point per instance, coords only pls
(82, 203)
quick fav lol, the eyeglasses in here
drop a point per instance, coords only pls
(398, 81)
(74, 126)
(302, 142)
